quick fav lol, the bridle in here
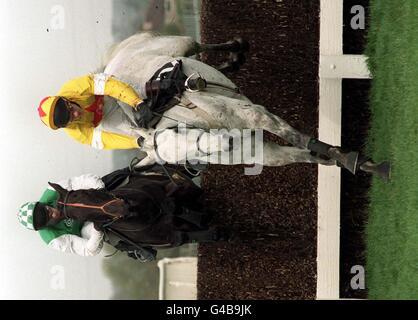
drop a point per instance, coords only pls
(114, 217)
(102, 208)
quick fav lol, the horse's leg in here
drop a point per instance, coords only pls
(273, 155)
(236, 45)
(210, 235)
(276, 155)
(236, 48)
(225, 112)
(244, 114)
(256, 116)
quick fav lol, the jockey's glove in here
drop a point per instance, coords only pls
(143, 114)
(98, 225)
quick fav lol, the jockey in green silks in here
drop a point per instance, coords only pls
(65, 235)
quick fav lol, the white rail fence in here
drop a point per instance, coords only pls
(333, 67)
(178, 278)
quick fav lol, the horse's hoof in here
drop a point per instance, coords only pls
(236, 60)
(382, 170)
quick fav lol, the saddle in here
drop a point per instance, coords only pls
(164, 89)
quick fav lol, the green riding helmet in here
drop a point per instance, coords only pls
(33, 215)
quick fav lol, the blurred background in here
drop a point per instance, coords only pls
(46, 43)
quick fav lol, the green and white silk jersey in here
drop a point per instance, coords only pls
(67, 226)
(69, 235)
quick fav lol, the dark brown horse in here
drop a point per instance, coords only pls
(151, 210)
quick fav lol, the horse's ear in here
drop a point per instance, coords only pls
(58, 188)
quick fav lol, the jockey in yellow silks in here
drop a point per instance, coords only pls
(78, 108)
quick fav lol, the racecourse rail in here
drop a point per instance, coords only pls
(334, 66)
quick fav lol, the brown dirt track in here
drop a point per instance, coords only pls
(281, 74)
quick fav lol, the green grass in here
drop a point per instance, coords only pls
(392, 230)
